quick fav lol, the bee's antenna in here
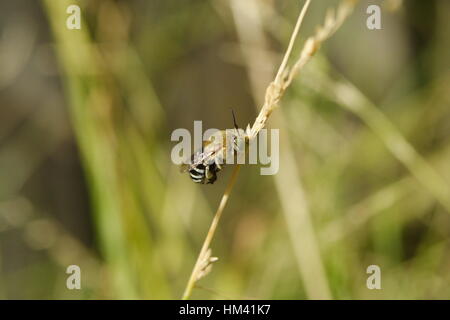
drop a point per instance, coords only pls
(234, 120)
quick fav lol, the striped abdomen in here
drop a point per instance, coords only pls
(202, 173)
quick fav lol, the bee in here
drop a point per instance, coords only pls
(206, 162)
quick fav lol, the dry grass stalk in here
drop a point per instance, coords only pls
(276, 88)
(273, 95)
(200, 265)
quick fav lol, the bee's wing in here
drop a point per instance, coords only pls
(208, 151)
(187, 164)
(184, 167)
(196, 159)
(202, 157)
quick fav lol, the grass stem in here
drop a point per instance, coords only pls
(212, 230)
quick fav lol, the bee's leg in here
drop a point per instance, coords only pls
(208, 173)
(236, 146)
(218, 164)
(236, 150)
(212, 176)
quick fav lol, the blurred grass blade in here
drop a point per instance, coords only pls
(350, 98)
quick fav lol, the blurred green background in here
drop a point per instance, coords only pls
(86, 176)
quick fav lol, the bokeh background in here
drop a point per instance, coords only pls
(86, 176)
